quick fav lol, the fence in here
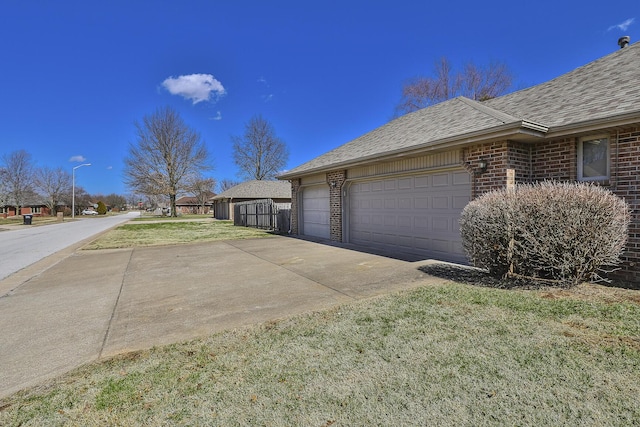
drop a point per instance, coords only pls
(263, 213)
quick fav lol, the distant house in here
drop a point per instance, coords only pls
(278, 191)
(33, 207)
(192, 205)
(402, 187)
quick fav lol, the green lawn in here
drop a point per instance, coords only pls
(445, 354)
(170, 232)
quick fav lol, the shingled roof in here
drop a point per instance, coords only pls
(605, 88)
(257, 190)
(601, 91)
(193, 200)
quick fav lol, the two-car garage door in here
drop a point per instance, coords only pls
(416, 214)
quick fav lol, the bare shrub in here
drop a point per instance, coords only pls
(565, 232)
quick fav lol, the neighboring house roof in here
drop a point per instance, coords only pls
(598, 93)
(257, 190)
(192, 200)
(33, 200)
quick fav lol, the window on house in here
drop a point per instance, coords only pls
(36, 209)
(593, 159)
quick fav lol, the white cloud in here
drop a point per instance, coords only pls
(78, 158)
(218, 116)
(109, 168)
(269, 96)
(623, 26)
(196, 87)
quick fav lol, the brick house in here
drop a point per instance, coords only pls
(193, 205)
(402, 186)
(34, 208)
(278, 191)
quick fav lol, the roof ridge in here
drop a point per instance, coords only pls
(496, 114)
(553, 80)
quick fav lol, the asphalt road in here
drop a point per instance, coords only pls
(26, 245)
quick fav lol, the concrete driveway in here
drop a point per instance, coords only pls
(95, 304)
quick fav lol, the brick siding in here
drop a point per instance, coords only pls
(625, 182)
(335, 201)
(557, 160)
(554, 160)
(295, 187)
(494, 178)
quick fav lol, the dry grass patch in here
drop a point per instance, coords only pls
(157, 233)
(35, 220)
(184, 217)
(447, 354)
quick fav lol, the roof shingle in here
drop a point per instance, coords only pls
(257, 190)
(605, 88)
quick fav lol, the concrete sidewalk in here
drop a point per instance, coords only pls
(95, 304)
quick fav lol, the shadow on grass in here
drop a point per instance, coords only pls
(478, 277)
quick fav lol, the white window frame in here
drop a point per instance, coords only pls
(581, 141)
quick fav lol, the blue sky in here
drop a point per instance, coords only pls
(76, 75)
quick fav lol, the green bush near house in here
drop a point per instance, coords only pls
(102, 208)
(565, 232)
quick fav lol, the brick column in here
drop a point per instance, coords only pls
(295, 187)
(335, 180)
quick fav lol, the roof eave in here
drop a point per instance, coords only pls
(619, 120)
(522, 129)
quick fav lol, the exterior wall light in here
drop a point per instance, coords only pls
(333, 184)
(482, 165)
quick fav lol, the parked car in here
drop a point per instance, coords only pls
(89, 212)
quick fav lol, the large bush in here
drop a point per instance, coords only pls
(566, 232)
(102, 208)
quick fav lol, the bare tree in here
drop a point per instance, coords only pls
(226, 184)
(475, 82)
(202, 190)
(53, 185)
(135, 201)
(166, 154)
(17, 170)
(82, 200)
(115, 201)
(259, 153)
(4, 188)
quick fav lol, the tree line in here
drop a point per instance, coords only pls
(24, 183)
(167, 160)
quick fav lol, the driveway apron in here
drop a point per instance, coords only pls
(97, 304)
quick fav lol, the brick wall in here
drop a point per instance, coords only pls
(494, 178)
(295, 187)
(336, 180)
(557, 160)
(554, 160)
(625, 182)
(519, 159)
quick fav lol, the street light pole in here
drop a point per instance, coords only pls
(73, 189)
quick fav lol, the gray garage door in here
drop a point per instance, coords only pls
(412, 214)
(315, 211)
